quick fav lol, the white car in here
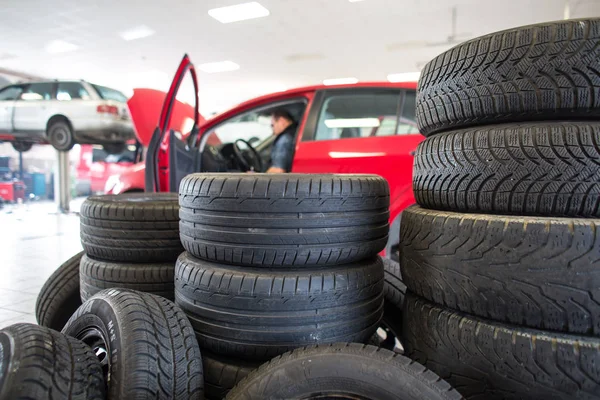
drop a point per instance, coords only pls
(63, 113)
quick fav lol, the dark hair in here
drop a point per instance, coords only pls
(282, 113)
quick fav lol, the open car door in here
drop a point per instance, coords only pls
(170, 157)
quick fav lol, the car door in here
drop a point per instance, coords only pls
(8, 96)
(363, 130)
(31, 108)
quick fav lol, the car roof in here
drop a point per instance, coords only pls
(290, 93)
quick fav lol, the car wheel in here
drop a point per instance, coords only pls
(114, 148)
(155, 278)
(539, 272)
(221, 374)
(22, 147)
(40, 363)
(145, 344)
(59, 297)
(343, 371)
(489, 360)
(60, 136)
(538, 72)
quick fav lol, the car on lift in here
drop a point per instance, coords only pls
(64, 113)
(367, 128)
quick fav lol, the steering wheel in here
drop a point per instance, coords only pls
(248, 160)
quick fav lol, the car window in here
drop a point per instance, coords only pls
(110, 94)
(358, 115)
(71, 91)
(10, 93)
(253, 127)
(408, 121)
(37, 91)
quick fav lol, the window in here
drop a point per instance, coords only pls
(253, 127)
(10, 93)
(71, 91)
(110, 94)
(37, 91)
(359, 115)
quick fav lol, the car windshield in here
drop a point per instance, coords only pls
(110, 94)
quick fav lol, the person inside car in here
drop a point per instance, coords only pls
(284, 128)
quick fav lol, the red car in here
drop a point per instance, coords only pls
(360, 128)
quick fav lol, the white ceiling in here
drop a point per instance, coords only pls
(301, 42)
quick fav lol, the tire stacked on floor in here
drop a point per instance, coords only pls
(501, 259)
(277, 262)
(130, 241)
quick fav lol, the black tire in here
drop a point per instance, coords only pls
(148, 345)
(132, 227)
(59, 297)
(96, 276)
(394, 289)
(547, 71)
(38, 363)
(60, 135)
(256, 314)
(114, 148)
(269, 220)
(344, 370)
(22, 147)
(530, 271)
(221, 374)
(488, 360)
(548, 169)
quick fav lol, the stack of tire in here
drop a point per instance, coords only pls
(502, 256)
(277, 262)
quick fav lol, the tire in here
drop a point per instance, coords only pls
(22, 147)
(343, 369)
(394, 289)
(114, 148)
(222, 374)
(132, 227)
(281, 220)
(256, 314)
(96, 276)
(37, 363)
(540, 72)
(529, 271)
(60, 135)
(149, 346)
(59, 297)
(488, 360)
(544, 168)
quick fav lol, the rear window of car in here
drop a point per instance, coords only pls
(110, 94)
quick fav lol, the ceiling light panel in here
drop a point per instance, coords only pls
(239, 12)
(340, 81)
(221, 66)
(138, 32)
(60, 46)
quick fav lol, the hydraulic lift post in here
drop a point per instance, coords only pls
(62, 192)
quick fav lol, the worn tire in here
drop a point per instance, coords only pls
(488, 360)
(131, 227)
(150, 345)
(366, 372)
(38, 363)
(96, 276)
(540, 72)
(59, 297)
(547, 169)
(273, 220)
(256, 314)
(221, 374)
(531, 271)
(394, 289)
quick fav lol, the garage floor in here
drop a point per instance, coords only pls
(34, 241)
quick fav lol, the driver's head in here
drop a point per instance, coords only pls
(280, 120)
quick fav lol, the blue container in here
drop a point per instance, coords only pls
(38, 184)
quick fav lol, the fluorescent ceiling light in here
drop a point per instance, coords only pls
(221, 66)
(404, 77)
(238, 12)
(60, 46)
(138, 32)
(340, 81)
(352, 123)
(355, 1)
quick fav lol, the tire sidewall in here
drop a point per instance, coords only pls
(58, 128)
(6, 367)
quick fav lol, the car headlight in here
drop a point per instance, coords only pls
(112, 183)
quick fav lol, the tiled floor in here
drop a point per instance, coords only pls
(34, 241)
